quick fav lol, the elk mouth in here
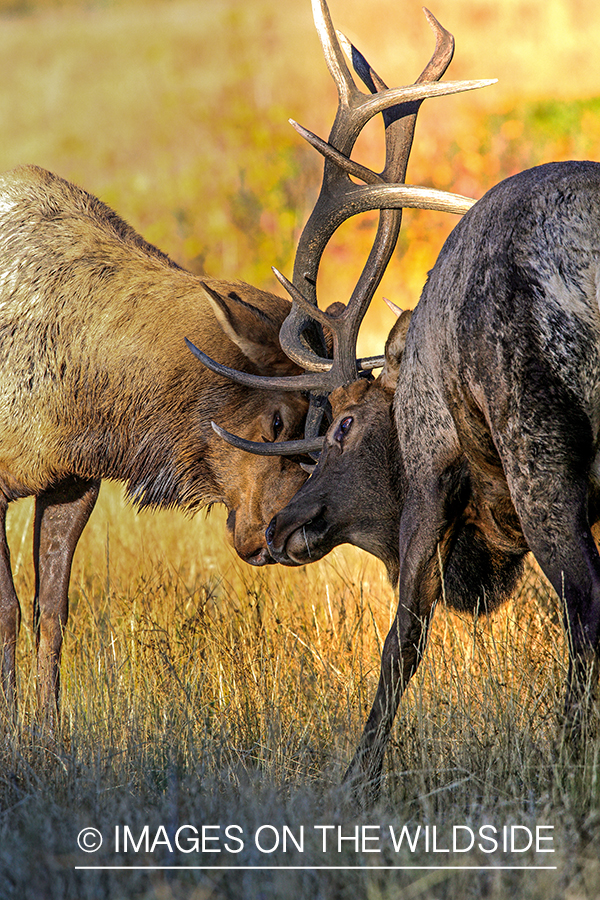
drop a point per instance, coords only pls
(297, 545)
(261, 557)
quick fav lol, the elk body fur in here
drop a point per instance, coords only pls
(97, 382)
(490, 445)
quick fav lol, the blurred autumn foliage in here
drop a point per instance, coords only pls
(175, 113)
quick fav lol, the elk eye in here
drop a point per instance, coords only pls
(344, 427)
(277, 426)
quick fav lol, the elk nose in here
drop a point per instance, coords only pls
(270, 532)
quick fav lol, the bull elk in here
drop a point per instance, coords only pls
(479, 441)
(98, 383)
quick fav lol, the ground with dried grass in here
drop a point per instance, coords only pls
(199, 692)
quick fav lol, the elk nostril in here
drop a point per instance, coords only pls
(270, 533)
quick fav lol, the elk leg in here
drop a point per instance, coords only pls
(10, 620)
(421, 528)
(60, 517)
(569, 558)
(552, 504)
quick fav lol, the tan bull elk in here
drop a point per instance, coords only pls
(480, 440)
(98, 383)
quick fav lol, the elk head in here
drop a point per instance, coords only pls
(360, 448)
(252, 488)
(359, 408)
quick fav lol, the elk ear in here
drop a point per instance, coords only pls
(394, 348)
(251, 328)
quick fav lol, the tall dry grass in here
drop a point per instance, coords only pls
(197, 690)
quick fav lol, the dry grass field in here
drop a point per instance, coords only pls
(198, 691)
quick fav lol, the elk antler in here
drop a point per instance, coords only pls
(339, 199)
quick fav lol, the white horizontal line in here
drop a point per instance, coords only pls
(313, 868)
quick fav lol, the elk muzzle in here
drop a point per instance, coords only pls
(299, 534)
(248, 542)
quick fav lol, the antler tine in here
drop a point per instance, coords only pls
(268, 448)
(305, 305)
(334, 56)
(417, 92)
(400, 122)
(329, 152)
(310, 381)
(443, 53)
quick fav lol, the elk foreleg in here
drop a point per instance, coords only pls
(421, 528)
(10, 620)
(60, 517)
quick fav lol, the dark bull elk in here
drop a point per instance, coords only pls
(98, 383)
(489, 446)
(480, 440)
